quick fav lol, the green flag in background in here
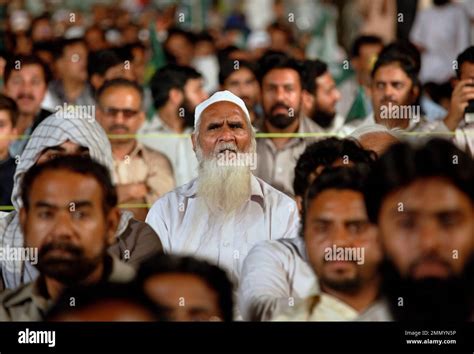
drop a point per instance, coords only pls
(358, 109)
(157, 61)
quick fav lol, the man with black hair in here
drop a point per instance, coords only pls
(70, 216)
(342, 248)
(276, 272)
(281, 81)
(320, 97)
(8, 121)
(27, 85)
(71, 85)
(356, 91)
(142, 174)
(176, 91)
(239, 77)
(107, 65)
(423, 202)
(187, 289)
(396, 93)
(179, 46)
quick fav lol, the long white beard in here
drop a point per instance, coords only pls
(223, 188)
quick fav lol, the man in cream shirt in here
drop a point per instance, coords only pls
(342, 247)
(226, 210)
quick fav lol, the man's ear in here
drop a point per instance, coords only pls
(307, 100)
(176, 97)
(113, 219)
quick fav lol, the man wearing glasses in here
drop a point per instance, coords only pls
(142, 174)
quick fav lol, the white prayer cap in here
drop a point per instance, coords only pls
(220, 96)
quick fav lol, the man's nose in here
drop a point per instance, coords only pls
(63, 225)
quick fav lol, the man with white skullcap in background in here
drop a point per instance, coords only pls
(226, 210)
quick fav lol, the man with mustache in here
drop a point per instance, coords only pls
(142, 174)
(334, 218)
(226, 210)
(26, 82)
(423, 202)
(320, 97)
(58, 136)
(70, 215)
(281, 83)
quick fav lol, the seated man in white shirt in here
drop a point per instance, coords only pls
(343, 249)
(226, 210)
(277, 272)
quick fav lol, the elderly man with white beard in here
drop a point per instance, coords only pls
(220, 215)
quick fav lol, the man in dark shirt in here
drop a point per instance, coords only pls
(8, 119)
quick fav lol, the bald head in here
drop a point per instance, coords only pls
(377, 141)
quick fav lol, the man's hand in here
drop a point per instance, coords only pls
(460, 98)
(131, 191)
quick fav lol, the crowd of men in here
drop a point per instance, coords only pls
(255, 186)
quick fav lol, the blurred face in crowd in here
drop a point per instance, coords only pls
(94, 38)
(27, 87)
(194, 93)
(183, 297)
(66, 148)
(67, 222)
(321, 105)
(338, 218)
(391, 85)
(119, 112)
(7, 133)
(224, 132)
(120, 71)
(243, 84)
(181, 49)
(364, 62)
(281, 97)
(437, 219)
(42, 31)
(73, 63)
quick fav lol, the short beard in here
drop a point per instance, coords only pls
(281, 121)
(67, 270)
(323, 118)
(430, 300)
(223, 189)
(348, 285)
